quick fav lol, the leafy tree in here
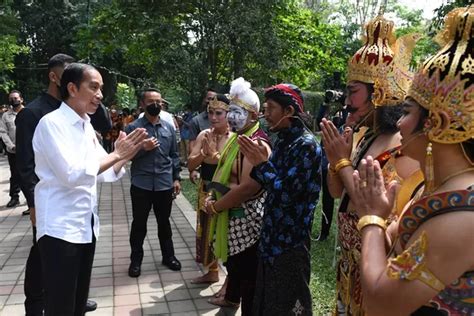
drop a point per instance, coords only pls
(9, 47)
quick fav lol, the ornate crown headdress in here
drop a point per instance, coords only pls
(215, 103)
(445, 81)
(384, 61)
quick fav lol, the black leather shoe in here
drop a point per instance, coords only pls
(91, 306)
(134, 270)
(172, 263)
(13, 202)
(27, 212)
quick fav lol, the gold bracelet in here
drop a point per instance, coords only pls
(216, 155)
(202, 153)
(342, 163)
(367, 220)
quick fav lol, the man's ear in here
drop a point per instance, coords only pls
(290, 110)
(72, 89)
(53, 78)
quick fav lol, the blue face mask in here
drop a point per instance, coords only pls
(237, 117)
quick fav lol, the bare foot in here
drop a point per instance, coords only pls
(208, 278)
(221, 292)
(222, 302)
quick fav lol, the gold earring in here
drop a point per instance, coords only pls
(429, 169)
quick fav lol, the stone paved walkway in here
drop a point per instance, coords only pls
(158, 291)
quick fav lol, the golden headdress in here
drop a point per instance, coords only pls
(219, 103)
(384, 61)
(445, 81)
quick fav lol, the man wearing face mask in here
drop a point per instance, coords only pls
(237, 213)
(155, 178)
(7, 133)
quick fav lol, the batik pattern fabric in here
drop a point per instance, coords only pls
(456, 298)
(291, 178)
(349, 289)
(245, 223)
(204, 252)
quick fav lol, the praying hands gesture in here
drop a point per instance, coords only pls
(209, 144)
(336, 146)
(254, 151)
(371, 197)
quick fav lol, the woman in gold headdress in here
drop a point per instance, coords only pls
(433, 273)
(206, 154)
(378, 78)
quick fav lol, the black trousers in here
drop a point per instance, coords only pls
(242, 275)
(33, 286)
(142, 202)
(327, 206)
(67, 269)
(14, 176)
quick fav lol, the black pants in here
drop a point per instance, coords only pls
(242, 274)
(14, 176)
(327, 206)
(67, 269)
(142, 202)
(33, 286)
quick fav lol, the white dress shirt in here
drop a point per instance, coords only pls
(67, 155)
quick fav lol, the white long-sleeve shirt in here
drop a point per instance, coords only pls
(67, 159)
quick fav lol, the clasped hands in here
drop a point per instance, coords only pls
(255, 151)
(371, 197)
(209, 145)
(337, 146)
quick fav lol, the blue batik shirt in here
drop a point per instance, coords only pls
(292, 179)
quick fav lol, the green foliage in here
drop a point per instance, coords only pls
(9, 47)
(125, 96)
(438, 20)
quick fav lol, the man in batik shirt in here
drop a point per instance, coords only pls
(291, 177)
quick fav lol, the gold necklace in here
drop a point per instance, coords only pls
(451, 176)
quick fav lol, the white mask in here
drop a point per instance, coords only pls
(237, 117)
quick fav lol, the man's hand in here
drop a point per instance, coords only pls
(194, 176)
(127, 146)
(150, 143)
(254, 151)
(336, 146)
(33, 216)
(177, 187)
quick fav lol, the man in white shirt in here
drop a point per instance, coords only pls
(69, 161)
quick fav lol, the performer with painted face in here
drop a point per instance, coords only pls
(236, 201)
(373, 100)
(433, 273)
(205, 154)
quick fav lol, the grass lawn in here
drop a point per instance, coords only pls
(323, 274)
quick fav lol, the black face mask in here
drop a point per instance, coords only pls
(15, 103)
(153, 109)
